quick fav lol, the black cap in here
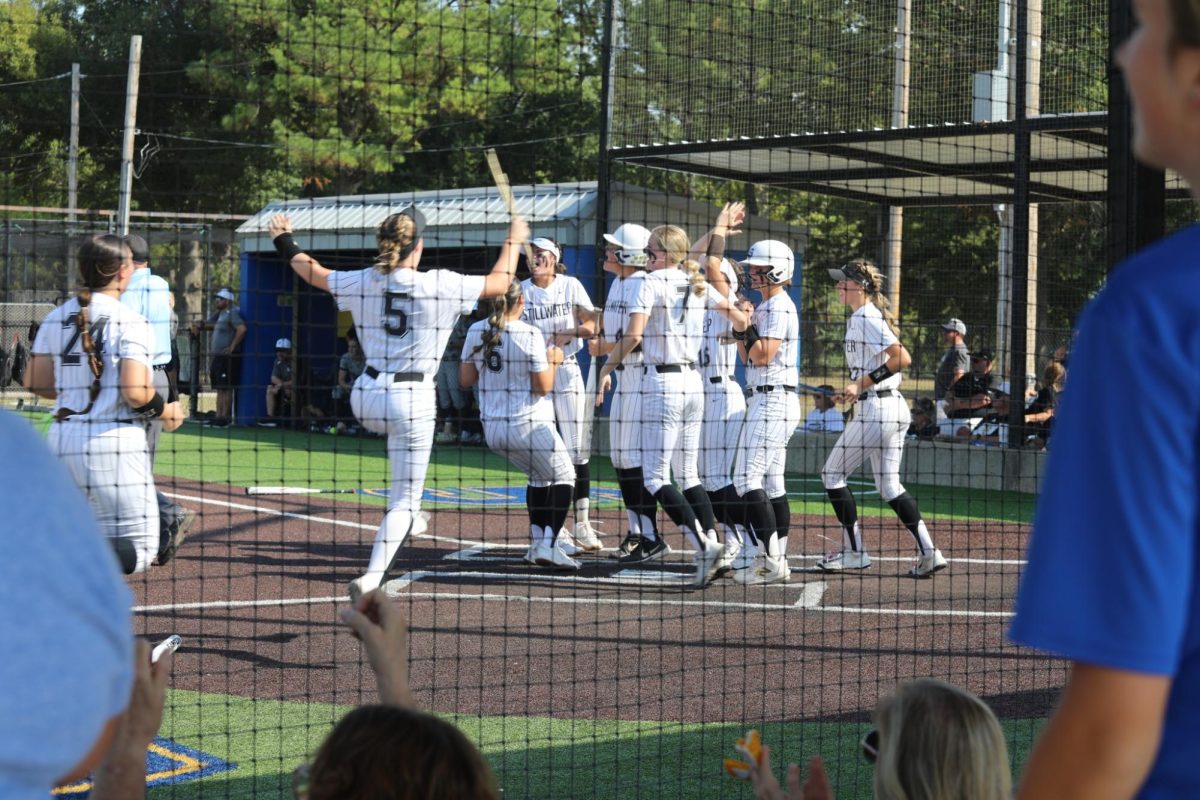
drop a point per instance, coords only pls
(139, 248)
(853, 271)
(413, 213)
(984, 353)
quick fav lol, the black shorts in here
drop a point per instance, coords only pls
(223, 370)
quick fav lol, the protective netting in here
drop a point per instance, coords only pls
(353, 425)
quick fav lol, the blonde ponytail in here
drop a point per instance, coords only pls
(696, 276)
(498, 319)
(874, 293)
(395, 236)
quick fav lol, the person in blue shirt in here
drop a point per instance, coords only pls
(150, 296)
(1113, 576)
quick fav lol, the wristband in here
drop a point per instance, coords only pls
(882, 374)
(739, 335)
(751, 335)
(152, 409)
(286, 246)
(716, 246)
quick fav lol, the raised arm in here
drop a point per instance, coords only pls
(505, 269)
(304, 265)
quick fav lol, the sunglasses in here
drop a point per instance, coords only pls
(870, 745)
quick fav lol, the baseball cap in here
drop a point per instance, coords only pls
(542, 243)
(957, 326)
(853, 271)
(138, 247)
(225, 294)
(413, 213)
(283, 344)
(984, 353)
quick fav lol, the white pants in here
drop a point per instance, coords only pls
(724, 412)
(876, 432)
(672, 414)
(569, 398)
(771, 419)
(111, 464)
(625, 419)
(534, 447)
(405, 412)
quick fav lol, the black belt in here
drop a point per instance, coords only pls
(718, 379)
(661, 368)
(162, 367)
(397, 377)
(775, 387)
(878, 393)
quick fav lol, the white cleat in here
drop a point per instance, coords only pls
(530, 556)
(547, 555)
(708, 561)
(746, 557)
(586, 538)
(845, 559)
(566, 543)
(929, 564)
(765, 570)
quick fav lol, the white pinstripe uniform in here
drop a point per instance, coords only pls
(625, 413)
(106, 449)
(724, 401)
(880, 422)
(673, 408)
(517, 423)
(774, 410)
(404, 319)
(552, 310)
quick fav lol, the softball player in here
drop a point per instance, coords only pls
(92, 355)
(559, 307)
(403, 318)
(875, 357)
(667, 319)
(626, 257)
(515, 370)
(769, 346)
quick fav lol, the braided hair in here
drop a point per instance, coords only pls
(100, 260)
(675, 243)
(874, 291)
(498, 318)
(397, 239)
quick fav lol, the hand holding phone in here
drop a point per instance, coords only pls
(170, 643)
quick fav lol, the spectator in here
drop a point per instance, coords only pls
(969, 398)
(931, 741)
(453, 401)
(352, 364)
(224, 368)
(1040, 413)
(281, 391)
(825, 417)
(955, 363)
(924, 419)
(67, 668)
(358, 760)
(993, 428)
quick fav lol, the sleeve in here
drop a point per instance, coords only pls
(712, 298)
(235, 316)
(535, 347)
(646, 295)
(133, 341)
(472, 341)
(44, 343)
(1110, 561)
(962, 360)
(773, 323)
(464, 289)
(877, 335)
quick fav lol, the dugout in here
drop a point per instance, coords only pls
(465, 229)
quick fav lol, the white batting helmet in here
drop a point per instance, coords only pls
(774, 254)
(631, 241)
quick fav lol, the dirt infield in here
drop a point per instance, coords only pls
(255, 589)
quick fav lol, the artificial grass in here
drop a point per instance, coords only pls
(532, 757)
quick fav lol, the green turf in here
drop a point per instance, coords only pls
(533, 757)
(273, 457)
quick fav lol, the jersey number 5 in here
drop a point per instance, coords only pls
(395, 318)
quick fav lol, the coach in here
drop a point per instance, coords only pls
(229, 328)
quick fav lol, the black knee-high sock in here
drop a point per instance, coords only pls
(630, 481)
(647, 505)
(906, 509)
(583, 481)
(760, 517)
(735, 512)
(698, 499)
(677, 507)
(717, 501)
(537, 499)
(846, 511)
(783, 515)
(559, 496)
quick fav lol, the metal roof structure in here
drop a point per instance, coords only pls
(478, 217)
(936, 165)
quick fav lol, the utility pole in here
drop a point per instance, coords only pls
(895, 233)
(131, 95)
(72, 173)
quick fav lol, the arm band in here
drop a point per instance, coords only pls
(287, 247)
(880, 375)
(750, 336)
(152, 409)
(716, 246)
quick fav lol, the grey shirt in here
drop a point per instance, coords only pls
(956, 359)
(225, 325)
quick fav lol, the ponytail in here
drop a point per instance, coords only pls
(397, 238)
(696, 276)
(875, 295)
(498, 318)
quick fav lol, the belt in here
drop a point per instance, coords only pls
(162, 367)
(661, 368)
(718, 379)
(772, 388)
(879, 393)
(397, 377)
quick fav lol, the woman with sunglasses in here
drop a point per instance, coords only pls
(931, 741)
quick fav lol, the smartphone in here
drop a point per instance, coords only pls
(170, 643)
